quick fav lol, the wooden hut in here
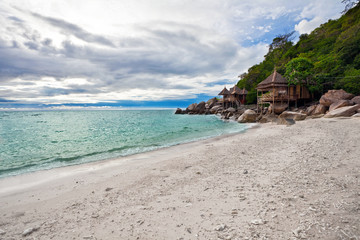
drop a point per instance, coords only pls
(276, 90)
(233, 97)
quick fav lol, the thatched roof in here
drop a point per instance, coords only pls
(274, 80)
(235, 90)
(224, 92)
(244, 92)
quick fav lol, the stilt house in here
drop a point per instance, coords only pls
(233, 97)
(276, 90)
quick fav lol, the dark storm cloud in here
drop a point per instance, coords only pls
(75, 30)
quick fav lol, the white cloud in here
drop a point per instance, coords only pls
(90, 51)
(306, 26)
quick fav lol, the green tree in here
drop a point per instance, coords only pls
(299, 71)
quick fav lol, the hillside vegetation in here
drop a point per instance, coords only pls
(327, 58)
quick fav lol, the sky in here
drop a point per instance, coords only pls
(126, 54)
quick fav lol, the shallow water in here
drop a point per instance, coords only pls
(31, 141)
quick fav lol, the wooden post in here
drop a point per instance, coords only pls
(273, 100)
(257, 100)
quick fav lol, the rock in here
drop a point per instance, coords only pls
(200, 108)
(214, 109)
(279, 108)
(339, 104)
(29, 231)
(249, 116)
(2, 232)
(320, 109)
(333, 96)
(310, 110)
(317, 116)
(257, 222)
(211, 102)
(285, 121)
(293, 115)
(355, 100)
(356, 115)
(191, 107)
(268, 118)
(245, 171)
(220, 228)
(343, 112)
(230, 109)
(179, 111)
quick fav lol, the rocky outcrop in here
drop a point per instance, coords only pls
(268, 118)
(278, 109)
(191, 107)
(211, 103)
(285, 121)
(357, 115)
(179, 111)
(355, 100)
(200, 108)
(293, 115)
(343, 112)
(249, 116)
(215, 109)
(339, 104)
(309, 111)
(333, 96)
(320, 109)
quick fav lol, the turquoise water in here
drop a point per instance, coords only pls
(32, 141)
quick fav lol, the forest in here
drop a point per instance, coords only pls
(327, 58)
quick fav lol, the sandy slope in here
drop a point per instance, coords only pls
(273, 182)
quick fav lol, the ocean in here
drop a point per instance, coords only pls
(37, 140)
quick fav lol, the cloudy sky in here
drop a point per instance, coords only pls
(158, 53)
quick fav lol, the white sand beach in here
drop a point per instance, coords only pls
(272, 182)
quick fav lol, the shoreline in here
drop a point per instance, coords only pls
(247, 128)
(272, 181)
(58, 173)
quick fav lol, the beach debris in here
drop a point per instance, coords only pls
(198, 173)
(220, 228)
(95, 215)
(188, 230)
(297, 232)
(29, 231)
(88, 237)
(245, 171)
(2, 232)
(108, 189)
(257, 222)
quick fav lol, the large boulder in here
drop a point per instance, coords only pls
(339, 104)
(179, 111)
(343, 112)
(355, 100)
(200, 108)
(278, 109)
(191, 107)
(310, 109)
(230, 109)
(285, 121)
(333, 96)
(214, 109)
(211, 102)
(320, 109)
(293, 115)
(249, 116)
(268, 118)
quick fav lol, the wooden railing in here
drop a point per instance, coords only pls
(270, 98)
